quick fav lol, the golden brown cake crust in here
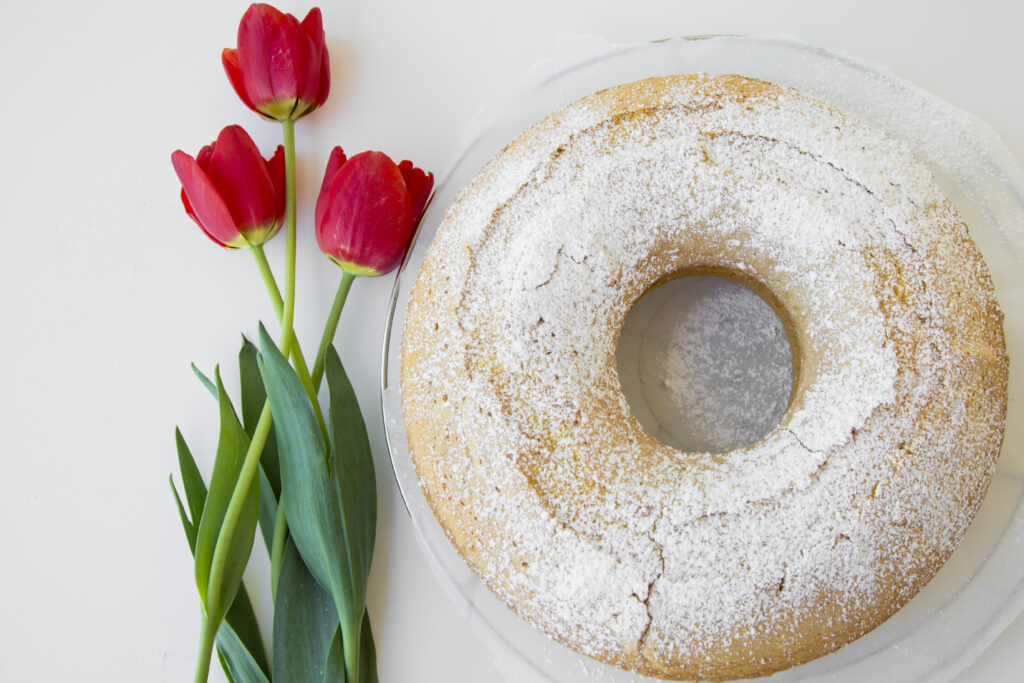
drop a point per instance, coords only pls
(694, 565)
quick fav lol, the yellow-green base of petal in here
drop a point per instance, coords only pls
(285, 110)
(355, 268)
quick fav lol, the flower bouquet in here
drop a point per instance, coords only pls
(299, 471)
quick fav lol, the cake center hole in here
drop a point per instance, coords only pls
(706, 364)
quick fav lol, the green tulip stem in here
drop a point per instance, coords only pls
(331, 328)
(288, 315)
(287, 334)
(207, 636)
(351, 641)
(298, 359)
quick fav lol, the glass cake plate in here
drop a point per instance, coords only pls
(980, 591)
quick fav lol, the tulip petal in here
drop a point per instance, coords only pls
(314, 28)
(204, 156)
(229, 58)
(204, 203)
(276, 170)
(258, 50)
(334, 162)
(307, 47)
(192, 214)
(325, 77)
(238, 170)
(419, 184)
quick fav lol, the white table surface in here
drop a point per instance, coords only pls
(109, 291)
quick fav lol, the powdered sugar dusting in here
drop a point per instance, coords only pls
(696, 564)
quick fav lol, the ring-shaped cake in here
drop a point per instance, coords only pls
(703, 565)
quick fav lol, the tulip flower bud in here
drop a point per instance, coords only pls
(281, 69)
(368, 210)
(234, 194)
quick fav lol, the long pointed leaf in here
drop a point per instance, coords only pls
(244, 662)
(304, 622)
(334, 670)
(240, 548)
(225, 665)
(354, 481)
(239, 644)
(236, 660)
(207, 382)
(191, 480)
(313, 515)
(334, 537)
(268, 512)
(237, 653)
(186, 524)
(368, 653)
(253, 394)
(242, 656)
(334, 667)
(253, 397)
(232, 445)
(242, 624)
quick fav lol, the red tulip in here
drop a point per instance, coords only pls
(235, 196)
(367, 210)
(281, 68)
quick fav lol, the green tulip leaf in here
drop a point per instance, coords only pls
(243, 642)
(186, 523)
(207, 382)
(239, 644)
(253, 394)
(353, 474)
(195, 490)
(224, 665)
(191, 479)
(334, 664)
(268, 512)
(334, 670)
(304, 622)
(367, 653)
(237, 662)
(232, 445)
(242, 657)
(253, 397)
(311, 507)
(331, 503)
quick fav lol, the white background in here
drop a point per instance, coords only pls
(109, 290)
